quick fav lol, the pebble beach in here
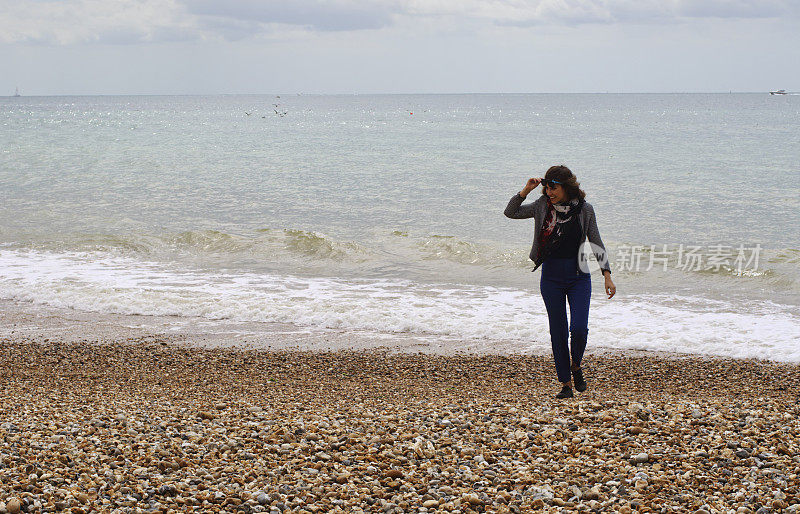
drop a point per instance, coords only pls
(150, 424)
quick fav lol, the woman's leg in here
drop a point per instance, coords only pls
(553, 294)
(578, 295)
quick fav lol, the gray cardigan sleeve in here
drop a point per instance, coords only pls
(516, 210)
(593, 235)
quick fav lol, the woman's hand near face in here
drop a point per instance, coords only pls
(530, 186)
(611, 289)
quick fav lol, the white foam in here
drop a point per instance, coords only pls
(100, 283)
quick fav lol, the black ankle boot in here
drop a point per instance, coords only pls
(566, 392)
(578, 380)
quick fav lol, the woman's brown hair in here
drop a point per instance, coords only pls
(569, 182)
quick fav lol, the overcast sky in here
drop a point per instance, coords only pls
(397, 46)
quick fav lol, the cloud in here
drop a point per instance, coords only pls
(337, 15)
(539, 12)
(142, 21)
(737, 8)
(78, 21)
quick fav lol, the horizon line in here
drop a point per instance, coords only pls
(404, 93)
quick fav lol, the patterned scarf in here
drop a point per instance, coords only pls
(553, 227)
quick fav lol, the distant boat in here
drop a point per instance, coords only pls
(778, 92)
(16, 92)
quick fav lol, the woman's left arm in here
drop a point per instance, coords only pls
(599, 250)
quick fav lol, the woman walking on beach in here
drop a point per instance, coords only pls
(563, 221)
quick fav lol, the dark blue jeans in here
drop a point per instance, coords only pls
(562, 280)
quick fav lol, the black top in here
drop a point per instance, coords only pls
(570, 242)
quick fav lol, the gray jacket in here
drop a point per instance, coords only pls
(538, 210)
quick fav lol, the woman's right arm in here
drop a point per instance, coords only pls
(515, 209)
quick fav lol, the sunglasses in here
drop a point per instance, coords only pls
(550, 183)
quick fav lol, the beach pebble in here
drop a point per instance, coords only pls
(13, 506)
(641, 457)
(472, 499)
(167, 490)
(592, 494)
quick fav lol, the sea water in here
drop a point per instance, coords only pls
(384, 214)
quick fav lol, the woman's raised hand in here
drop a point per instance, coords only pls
(530, 186)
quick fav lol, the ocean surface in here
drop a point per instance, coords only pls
(384, 214)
